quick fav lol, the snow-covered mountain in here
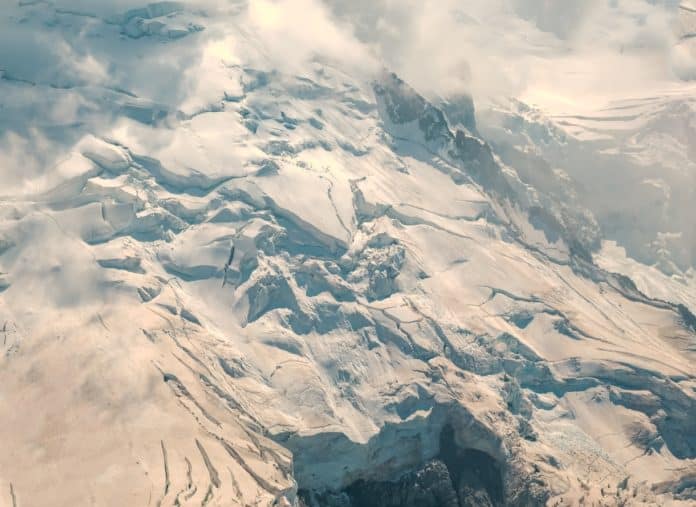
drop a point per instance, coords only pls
(238, 270)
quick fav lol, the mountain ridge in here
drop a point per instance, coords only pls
(304, 287)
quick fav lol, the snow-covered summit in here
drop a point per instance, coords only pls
(238, 273)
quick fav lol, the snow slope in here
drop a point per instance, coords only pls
(393, 279)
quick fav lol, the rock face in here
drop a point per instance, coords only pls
(455, 478)
(431, 485)
(233, 279)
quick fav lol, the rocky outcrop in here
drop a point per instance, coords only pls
(411, 119)
(455, 478)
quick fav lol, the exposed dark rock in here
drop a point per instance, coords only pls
(477, 159)
(477, 476)
(430, 486)
(455, 478)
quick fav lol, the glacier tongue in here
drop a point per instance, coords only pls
(406, 315)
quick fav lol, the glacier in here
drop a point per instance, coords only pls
(229, 276)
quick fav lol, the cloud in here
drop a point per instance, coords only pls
(294, 31)
(567, 53)
(489, 48)
(498, 48)
(683, 60)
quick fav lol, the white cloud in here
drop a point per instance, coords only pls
(294, 31)
(495, 48)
